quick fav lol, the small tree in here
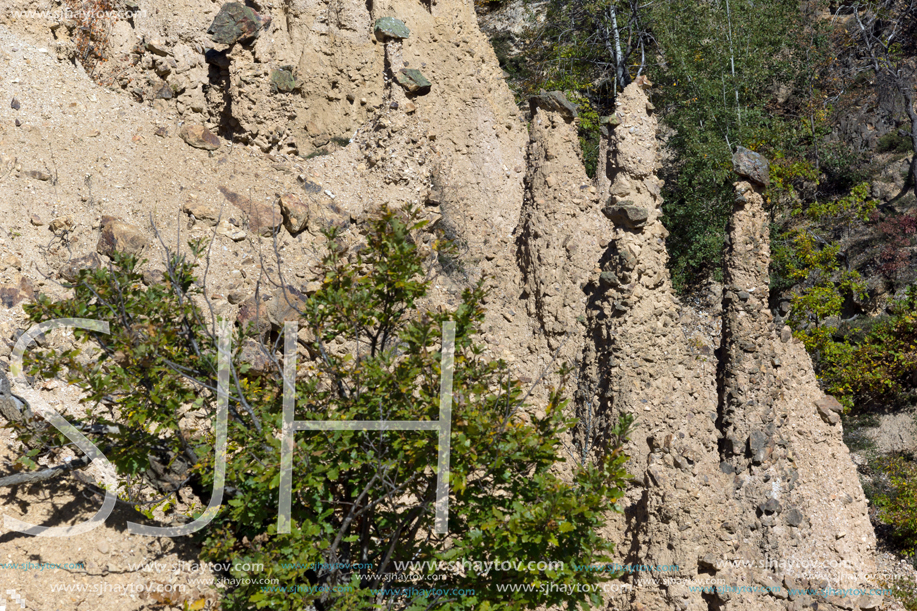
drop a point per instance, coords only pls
(822, 269)
(362, 500)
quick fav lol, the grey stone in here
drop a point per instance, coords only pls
(786, 334)
(628, 259)
(38, 175)
(71, 271)
(152, 277)
(770, 506)
(286, 305)
(869, 602)
(254, 355)
(390, 28)
(757, 444)
(626, 214)
(609, 279)
(283, 81)
(747, 345)
(554, 101)
(794, 517)
(12, 407)
(15, 104)
(236, 22)
(118, 236)
(311, 187)
(612, 121)
(752, 166)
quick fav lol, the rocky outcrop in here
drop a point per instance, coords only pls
(636, 361)
(733, 466)
(781, 440)
(560, 228)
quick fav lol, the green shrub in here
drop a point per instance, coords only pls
(894, 142)
(363, 502)
(843, 166)
(898, 508)
(882, 366)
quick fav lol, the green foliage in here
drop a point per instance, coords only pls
(905, 591)
(715, 84)
(135, 383)
(362, 501)
(823, 287)
(589, 132)
(817, 266)
(573, 53)
(843, 166)
(877, 366)
(855, 206)
(894, 142)
(898, 508)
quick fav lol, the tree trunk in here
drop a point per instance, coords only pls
(620, 68)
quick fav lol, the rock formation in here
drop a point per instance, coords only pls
(737, 456)
(734, 470)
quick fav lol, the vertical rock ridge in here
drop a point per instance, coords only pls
(562, 232)
(734, 469)
(638, 363)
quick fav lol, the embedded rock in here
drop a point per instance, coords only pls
(752, 166)
(70, 272)
(236, 22)
(283, 81)
(253, 317)
(199, 137)
(263, 218)
(119, 236)
(554, 101)
(626, 214)
(295, 213)
(286, 305)
(413, 81)
(390, 28)
(202, 211)
(13, 294)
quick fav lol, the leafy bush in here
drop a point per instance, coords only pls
(363, 502)
(898, 508)
(882, 366)
(843, 166)
(894, 142)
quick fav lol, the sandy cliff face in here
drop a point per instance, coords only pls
(736, 458)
